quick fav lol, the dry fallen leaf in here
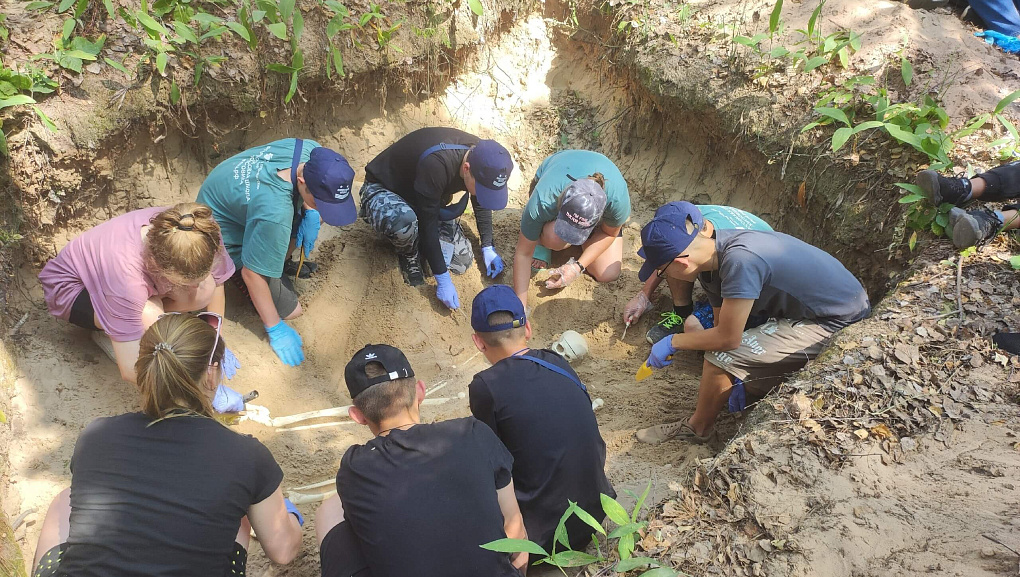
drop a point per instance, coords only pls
(881, 431)
(802, 195)
(861, 434)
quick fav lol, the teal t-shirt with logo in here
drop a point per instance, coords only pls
(254, 207)
(552, 177)
(729, 218)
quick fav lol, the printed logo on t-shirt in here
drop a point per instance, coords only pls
(248, 170)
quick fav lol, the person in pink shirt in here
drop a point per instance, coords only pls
(120, 276)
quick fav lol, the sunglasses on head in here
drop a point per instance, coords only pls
(214, 320)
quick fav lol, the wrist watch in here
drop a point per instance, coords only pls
(580, 266)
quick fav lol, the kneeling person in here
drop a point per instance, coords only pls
(539, 408)
(806, 294)
(417, 499)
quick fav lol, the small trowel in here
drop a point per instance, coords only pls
(645, 371)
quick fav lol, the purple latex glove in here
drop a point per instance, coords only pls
(662, 353)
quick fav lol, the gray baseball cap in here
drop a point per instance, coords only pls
(581, 208)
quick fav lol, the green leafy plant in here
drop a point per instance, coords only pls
(70, 53)
(18, 88)
(627, 527)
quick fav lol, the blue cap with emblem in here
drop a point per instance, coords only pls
(491, 166)
(494, 299)
(330, 179)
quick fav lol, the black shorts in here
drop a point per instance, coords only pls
(49, 565)
(82, 313)
(339, 554)
(284, 296)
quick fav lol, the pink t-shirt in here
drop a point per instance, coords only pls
(107, 260)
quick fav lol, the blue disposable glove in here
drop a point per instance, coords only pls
(293, 511)
(446, 292)
(286, 342)
(662, 353)
(227, 400)
(229, 364)
(493, 263)
(1009, 44)
(308, 230)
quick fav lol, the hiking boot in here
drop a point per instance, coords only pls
(973, 226)
(290, 268)
(679, 430)
(410, 267)
(670, 324)
(939, 189)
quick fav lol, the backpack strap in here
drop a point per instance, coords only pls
(558, 370)
(452, 211)
(294, 162)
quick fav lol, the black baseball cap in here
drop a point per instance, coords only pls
(393, 361)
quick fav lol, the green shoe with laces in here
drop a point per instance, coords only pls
(670, 324)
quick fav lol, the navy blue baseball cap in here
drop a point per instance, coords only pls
(491, 166)
(330, 179)
(494, 299)
(668, 235)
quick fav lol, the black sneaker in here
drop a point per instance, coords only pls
(670, 324)
(307, 268)
(972, 226)
(941, 189)
(410, 267)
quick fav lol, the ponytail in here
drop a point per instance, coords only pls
(183, 242)
(599, 179)
(173, 364)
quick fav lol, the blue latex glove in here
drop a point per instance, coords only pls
(308, 230)
(446, 292)
(738, 397)
(661, 353)
(286, 342)
(229, 364)
(293, 511)
(227, 400)
(493, 263)
(1009, 44)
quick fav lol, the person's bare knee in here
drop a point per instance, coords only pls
(56, 525)
(692, 324)
(295, 314)
(609, 273)
(329, 515)
(550, 239)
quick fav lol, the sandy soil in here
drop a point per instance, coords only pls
(536, 98)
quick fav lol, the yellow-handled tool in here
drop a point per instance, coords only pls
(645, 371)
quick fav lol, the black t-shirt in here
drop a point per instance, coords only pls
(421, 501)
(164, 499)
(547, 423)
(428, 185)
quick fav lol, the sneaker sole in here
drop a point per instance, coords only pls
(928, 180)
(965, 228)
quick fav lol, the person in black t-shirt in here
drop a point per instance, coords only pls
(407, 197)
(168, 492)
(417, 499)
(538, 407)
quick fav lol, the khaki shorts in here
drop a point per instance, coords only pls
(769, 352)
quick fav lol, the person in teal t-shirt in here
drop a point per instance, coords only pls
(672, 322)
(578, 198)
(268, 200)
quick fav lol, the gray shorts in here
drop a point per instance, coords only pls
(284, 296)
(771, 351)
